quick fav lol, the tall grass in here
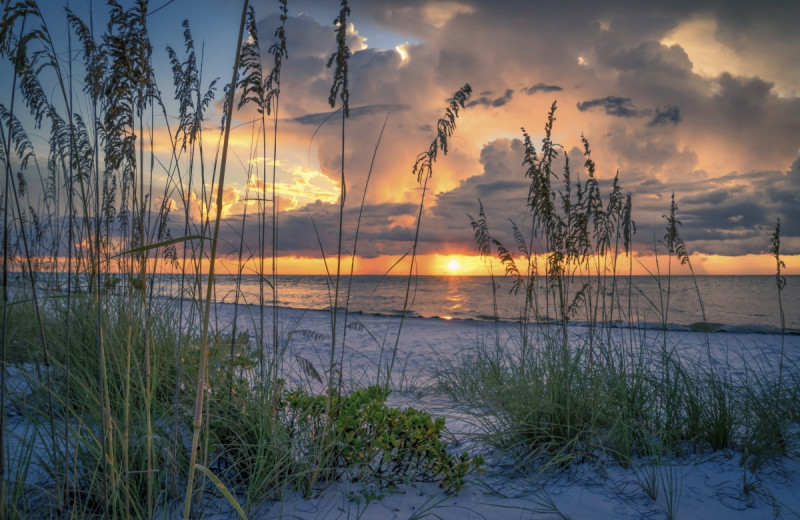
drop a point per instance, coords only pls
(555, 395)
(780, 282)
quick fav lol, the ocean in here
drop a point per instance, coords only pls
(742, 304)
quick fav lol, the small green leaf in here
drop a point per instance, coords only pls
(159, 244)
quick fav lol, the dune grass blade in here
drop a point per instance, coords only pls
(273, 91)
(355, 249)
(3, 340)
(780, 282)
(155, 246)
(339, 88)
(221, 487)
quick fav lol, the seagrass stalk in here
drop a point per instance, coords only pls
(198, 409)
(273, 91)
(23, 66)
(340, 89)
(355, 247)
(423, 169)
(780, 282)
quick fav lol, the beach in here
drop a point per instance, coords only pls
(700, 483)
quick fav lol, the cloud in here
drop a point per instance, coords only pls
(742, 98)
(742, 40)
(501, 187)
(439, 14)
(542, 87)
(663, 117)
(794, 172)
(355, 112)
(489, 102)
(389, 228)
(613, 106)
(653, 57)
(732, 214)
(623, 107)
(201, 209)
(303, 230)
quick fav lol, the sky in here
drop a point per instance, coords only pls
(697, 98)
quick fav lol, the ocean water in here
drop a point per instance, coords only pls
(731, 303)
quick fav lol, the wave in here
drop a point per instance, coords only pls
(701, 327)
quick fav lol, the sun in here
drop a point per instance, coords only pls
(453, 266)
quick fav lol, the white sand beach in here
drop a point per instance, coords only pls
(696, 486)
(701, 485)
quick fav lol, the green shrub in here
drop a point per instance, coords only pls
(375, 443)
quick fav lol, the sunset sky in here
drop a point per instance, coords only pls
(699, 98)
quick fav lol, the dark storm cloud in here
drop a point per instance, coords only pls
(542, 87)
(794, 172)
(486, 101)
(651, 56)
(623, 107)
(501, 188)
(613, 106)
(709, 197)
(742, 98)
(732, 214)
(664, 117)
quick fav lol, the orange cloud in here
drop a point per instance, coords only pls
(205, 206)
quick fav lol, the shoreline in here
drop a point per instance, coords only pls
(732, 305)
(699, 326)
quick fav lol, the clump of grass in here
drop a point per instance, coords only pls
(78, 391)
(553, 395)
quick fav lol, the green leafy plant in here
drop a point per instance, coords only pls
(375, 443)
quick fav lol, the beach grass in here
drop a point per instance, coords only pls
(552, 396)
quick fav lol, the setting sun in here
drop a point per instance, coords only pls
(453, 266)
